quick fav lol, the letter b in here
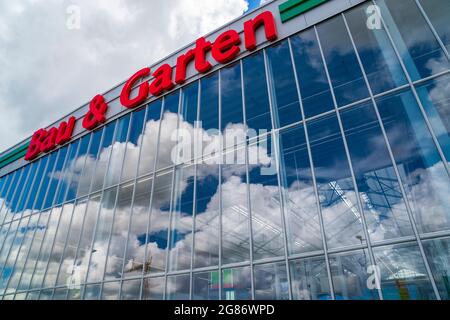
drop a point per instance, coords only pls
(34, 148)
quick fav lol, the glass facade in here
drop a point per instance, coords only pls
(344, 186)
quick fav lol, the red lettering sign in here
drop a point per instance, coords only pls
(44, 141)
(125, 99)
(225, 49)
(96, 113)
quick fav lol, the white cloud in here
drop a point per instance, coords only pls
(49, 70)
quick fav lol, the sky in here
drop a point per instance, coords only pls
(49, 66)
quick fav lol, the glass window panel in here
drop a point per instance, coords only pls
(3, 191)
(100, 165)
(46, 247)
(8, 194)
(37, 186)
(169, 125)
(60, 294)
(19, 296)
(8, 257)
(379, 190)
(134, 263)
(46, 294)
(156, 239)
(153, 289)
(131, 290)
(67, 265)
(235, 214)
(58, 245)
(92, 292)
(118, 152)
(111, 290)
(77, 165)
(416, 43)
(150, 138)
(257, 107)
(189, 102)
(65, 174)
(437, 11)
(231, 90)
(171, 102)
(2, 183)
(10, 208)
(55, 181)
(209, 101)
(309, 279)
(301, 211)
(178, 287)
(183, 139)
(349, 275)
(438, 254)
(376, 52)
(49, 259)
(403, 274)
(87, 169)
(282, 82)
(435, 97)
(341, 217)
(76, 294)
(314, 87)
(118, 237)
(102, 235)
(133, 146)
(206, 286)
(85, 245)
(26, 234)
(265, 203)
(271, 282)
(26, 188)
(422, 171)
(345, 73)
(206, 234)
(181, 226)
(35, 246)
(236, 284)
(34, 295)
(7, 243)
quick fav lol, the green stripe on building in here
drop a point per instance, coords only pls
(14, 155)
(293, 8)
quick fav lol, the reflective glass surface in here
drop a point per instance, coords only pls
(436, 11)
(341, 61)
(341, 216)
(402, 272)
(314, 87)
(378, 186)
(309, 279)
(414, 39)
(435, 98)
(153, 206)
(282, 82)
(422, 170)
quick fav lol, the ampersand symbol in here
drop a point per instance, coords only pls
(96, 113)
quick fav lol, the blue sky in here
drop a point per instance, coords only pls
(253, 4)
